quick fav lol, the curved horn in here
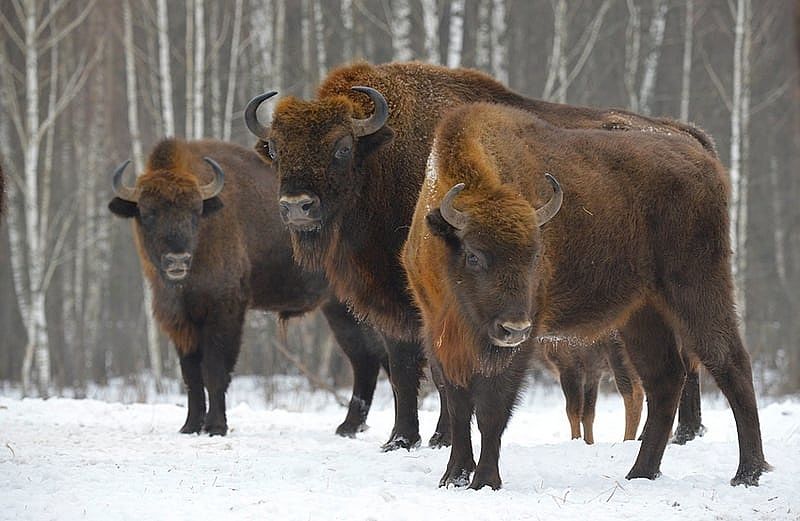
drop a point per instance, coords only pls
(213, 188)
(454, 218)
(251, 115)
(551, 208)
(372, 124)
(126, 193)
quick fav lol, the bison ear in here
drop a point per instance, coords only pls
(369, 144)
(441, 228)
(262, 149)
(123, 208)
(211, 205)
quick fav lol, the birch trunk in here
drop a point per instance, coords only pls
(165, 74)
(686, 70)
(136, 145)
(230, 92)
(656, 38)
(199, 68)
(189, 80)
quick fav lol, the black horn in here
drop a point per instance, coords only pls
(454, 218)
(126, 193)
(551, 208)
(372, 124)
(251, 115)
(213, 188)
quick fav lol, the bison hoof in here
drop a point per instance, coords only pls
(192, 427)
(646, 474)
(478, 482)
(439, 440)
(458, 479)
(400, 442)
(216, 430)
(686, 433)
(348, 430)
(749, 476)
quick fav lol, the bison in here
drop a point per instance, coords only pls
(634, 235)
(579, 367)
(351, 163)
(212, 247)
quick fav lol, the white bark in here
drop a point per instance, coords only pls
(188, 130)
(740, 117)
(557, 62)
(199, 67)
(633, 40)
(656, 38)
(215, 27)
(165, 74)
(136, 145)
(686, 70)
(500, 50)
(230, 93)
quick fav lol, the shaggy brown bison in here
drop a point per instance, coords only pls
(211, 248)
(351, 163)
(579, 367)
(634, 235)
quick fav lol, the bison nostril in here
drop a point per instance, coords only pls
(515, 329)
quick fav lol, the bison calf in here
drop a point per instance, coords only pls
(212, 246)
(641, 244)
(579, 366)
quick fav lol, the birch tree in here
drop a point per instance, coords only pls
(165, 72)
(41, 32)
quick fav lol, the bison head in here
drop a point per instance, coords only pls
(167, 206)
(319, 149)
(493, 248)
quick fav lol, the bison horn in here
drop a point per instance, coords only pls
(251, 115)
(213, 188)
(125, 193)
(551, 208)
(372, 124)
(454, 218)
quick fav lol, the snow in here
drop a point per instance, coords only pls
(91, 459)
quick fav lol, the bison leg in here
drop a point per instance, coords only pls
(589, 405)
(653, 350)
(442, 437)
(461, 462)
(366, 351)
(628, 386)
(495, 399)
(405, 370)
(717, 343)
(221, 340)
(193, 379)
(572, 385)
(689, 417)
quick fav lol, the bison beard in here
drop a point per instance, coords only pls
(667, 286)
(241, 259)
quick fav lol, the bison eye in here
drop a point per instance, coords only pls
(343, 152)
(270, 147)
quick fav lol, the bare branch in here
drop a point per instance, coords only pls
(54, 9)
(15, 37)
(597, 23)
(68, 29)
(716, 81)
(774, 95)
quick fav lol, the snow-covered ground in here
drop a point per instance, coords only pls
(91, 459)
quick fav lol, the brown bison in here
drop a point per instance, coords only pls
(579, 367)
(351, 164)
(637, 239)
(212, 248)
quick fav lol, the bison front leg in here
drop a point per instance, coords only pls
(405, 370)
(495, 398)
(462, 462)
(366, 351)
(193, 380)
(441, 437)
(221, 340)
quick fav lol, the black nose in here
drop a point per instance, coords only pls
(300, 211)
(178, 258)
(511, 332)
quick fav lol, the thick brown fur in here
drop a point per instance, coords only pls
(368, 200)
(241, 259)
(641, 244)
